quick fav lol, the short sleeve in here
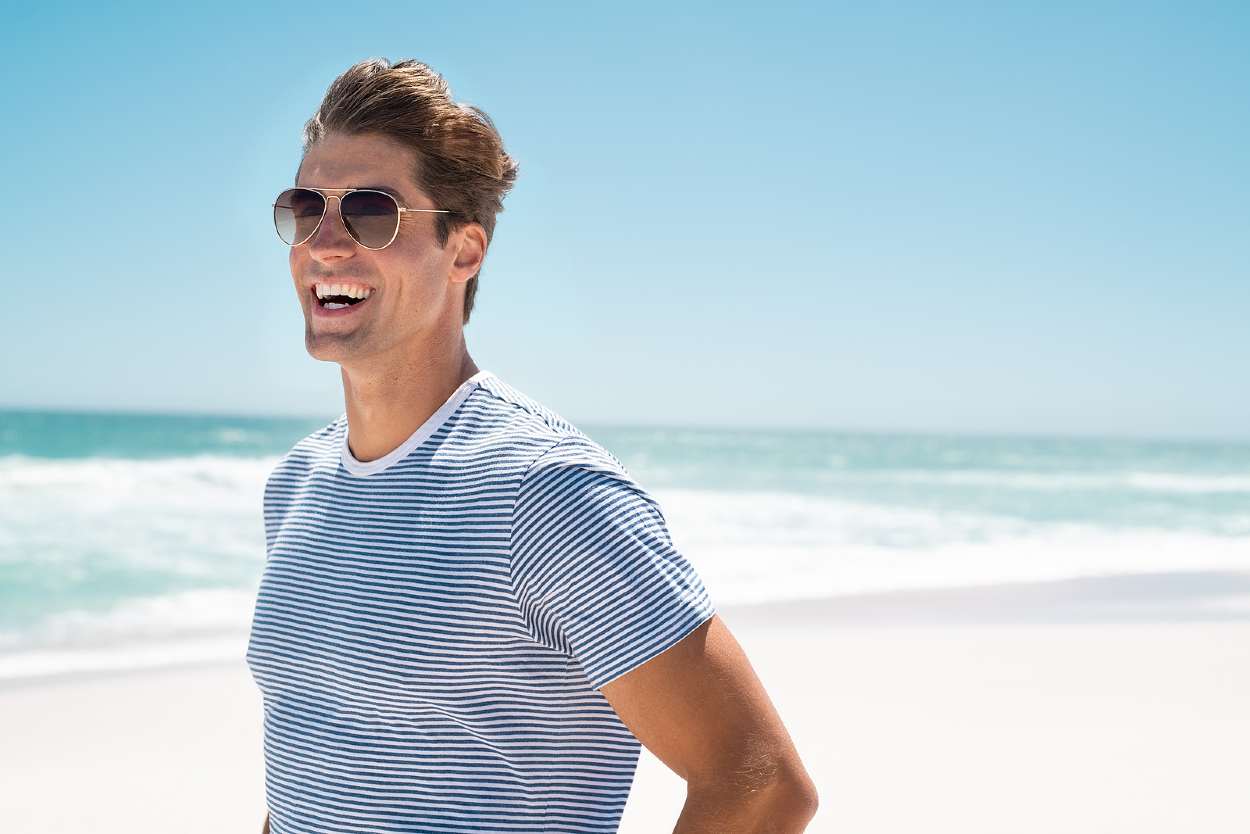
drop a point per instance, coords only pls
(593, 566)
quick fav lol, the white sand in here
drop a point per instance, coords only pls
(1033, 709)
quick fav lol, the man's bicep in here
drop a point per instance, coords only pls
(700, 708)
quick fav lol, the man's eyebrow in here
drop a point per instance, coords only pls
(385, 188)
(394, 193)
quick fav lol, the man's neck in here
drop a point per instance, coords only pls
(387, 402)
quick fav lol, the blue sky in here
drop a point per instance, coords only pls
(936, 217)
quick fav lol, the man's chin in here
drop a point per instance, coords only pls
(330, 347)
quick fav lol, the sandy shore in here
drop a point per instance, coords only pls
(1091, 706)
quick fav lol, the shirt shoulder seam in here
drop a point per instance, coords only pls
(519, 406)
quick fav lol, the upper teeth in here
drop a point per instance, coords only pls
(353, 290)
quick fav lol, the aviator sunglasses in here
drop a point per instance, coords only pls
(370, 216)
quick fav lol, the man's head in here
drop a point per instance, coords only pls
(396, 127)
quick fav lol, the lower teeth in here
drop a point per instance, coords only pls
(334, 305)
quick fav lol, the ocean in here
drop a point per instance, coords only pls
(136, 540)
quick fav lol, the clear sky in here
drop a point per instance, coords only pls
(938, 217)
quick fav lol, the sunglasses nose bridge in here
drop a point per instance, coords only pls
(325, 211)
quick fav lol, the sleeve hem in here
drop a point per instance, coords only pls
(658, 649)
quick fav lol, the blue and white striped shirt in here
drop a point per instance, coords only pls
(432, 627)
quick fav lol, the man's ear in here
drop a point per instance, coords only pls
(471, 248)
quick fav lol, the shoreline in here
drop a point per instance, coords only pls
(1203, 596)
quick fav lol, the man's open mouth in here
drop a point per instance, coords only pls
(335, 302)
(336, 299)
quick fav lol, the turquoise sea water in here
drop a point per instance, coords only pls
(144, 532)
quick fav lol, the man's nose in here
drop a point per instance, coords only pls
(331, 238)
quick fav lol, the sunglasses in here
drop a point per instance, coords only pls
(370, 216)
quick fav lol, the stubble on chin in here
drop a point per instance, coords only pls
(338, 346)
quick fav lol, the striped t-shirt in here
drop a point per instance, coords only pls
(432, 627)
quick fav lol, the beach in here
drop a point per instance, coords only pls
(1099, 705)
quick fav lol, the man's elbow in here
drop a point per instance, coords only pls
(791, 788)
(787, 804)
(797, 798)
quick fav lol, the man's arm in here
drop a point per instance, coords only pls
(265, 830)
(701, 709)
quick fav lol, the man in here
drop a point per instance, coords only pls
(470, 614)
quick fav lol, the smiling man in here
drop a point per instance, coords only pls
(471, 616)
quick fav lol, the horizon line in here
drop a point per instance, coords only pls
(1019, 434)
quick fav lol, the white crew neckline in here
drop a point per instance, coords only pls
(423, 432)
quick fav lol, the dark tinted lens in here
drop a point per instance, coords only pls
(296, 213)
(372, 217)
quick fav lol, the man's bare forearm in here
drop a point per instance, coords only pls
(265, 830)
(780, 808)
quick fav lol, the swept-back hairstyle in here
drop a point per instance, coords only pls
(461, 162)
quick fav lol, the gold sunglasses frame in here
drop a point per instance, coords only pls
(325, 208)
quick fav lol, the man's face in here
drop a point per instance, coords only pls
(412, 298)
